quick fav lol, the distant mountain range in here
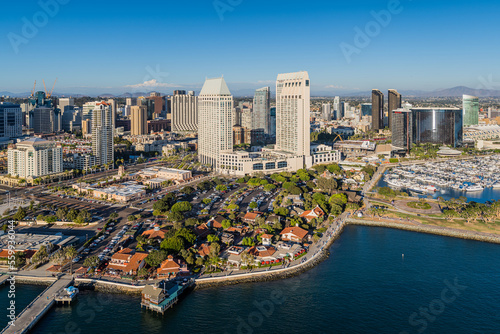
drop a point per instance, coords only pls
(245, 92)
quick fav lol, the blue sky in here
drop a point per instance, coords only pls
(104, 46)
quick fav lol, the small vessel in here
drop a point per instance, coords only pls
(473, 188)
(431, 189)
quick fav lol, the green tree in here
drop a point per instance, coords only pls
(221, 188)
(155, 258)
(281, 211)
(248, 241)
(20, 214)
(212, 238)
(328, 185)
(92, 261)
(226, 223)
(182, 207)
(187, 190)
(207, 201)
(253, 205)
(173, 244)
(269, 187)
(187, 235)
(19, 259)
(176, 216)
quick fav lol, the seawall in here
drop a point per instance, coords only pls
(430, 229)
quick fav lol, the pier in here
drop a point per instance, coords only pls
(38, 307)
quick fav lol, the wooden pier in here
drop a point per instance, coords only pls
(38, 307)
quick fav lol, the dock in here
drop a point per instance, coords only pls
(38, 307)
(3, 279)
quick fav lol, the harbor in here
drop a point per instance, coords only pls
(463, 176)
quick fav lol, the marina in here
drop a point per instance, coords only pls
(466, 177)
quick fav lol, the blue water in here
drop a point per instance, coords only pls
(22, 296)
(365, 286)
(488, 194)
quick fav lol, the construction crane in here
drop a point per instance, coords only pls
(338, 137)
(48, 95)
(33, 90)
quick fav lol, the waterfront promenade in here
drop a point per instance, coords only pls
(38, 307)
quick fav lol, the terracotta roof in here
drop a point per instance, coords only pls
(251, 216)
(314, 213)
(135, 262)
(296, 231)
(153, 234)
(268, 252)
(204, 250)
(266, 236)
(122, 255)
(169, 266)
(202, 230)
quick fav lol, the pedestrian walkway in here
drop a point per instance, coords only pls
(37, 308)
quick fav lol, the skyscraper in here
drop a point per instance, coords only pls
(272, 122)
(102, 133)
(65, 101)
(34, 157)
(184, 112)
(139, 121)
(43, 120)
(470, 110)
(215, 121)
(261, 106)
(366, 109)
(336, 107)
(402, 128)
(377, 110)
(293, 113)
(326, 112)
(394, 103)
(130, 101)
(10, 120)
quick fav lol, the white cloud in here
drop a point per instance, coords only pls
(152, 84)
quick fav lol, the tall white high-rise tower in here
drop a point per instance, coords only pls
(293, 95)
(215, 121)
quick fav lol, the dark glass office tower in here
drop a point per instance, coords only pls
(442, 126)
(394, 103)
(377, 110)
(401, 128)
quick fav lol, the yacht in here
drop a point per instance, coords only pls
(474, 187)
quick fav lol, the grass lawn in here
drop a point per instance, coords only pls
(419, 205)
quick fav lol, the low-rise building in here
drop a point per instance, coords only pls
(294, 233)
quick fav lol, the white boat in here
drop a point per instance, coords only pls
(474, 188)
(496, 185)
(431, 189)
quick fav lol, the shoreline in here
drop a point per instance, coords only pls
(283, 273)
(430, 229)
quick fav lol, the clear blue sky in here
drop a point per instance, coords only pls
(106, 45)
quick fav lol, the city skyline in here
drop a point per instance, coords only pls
(343, 64)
